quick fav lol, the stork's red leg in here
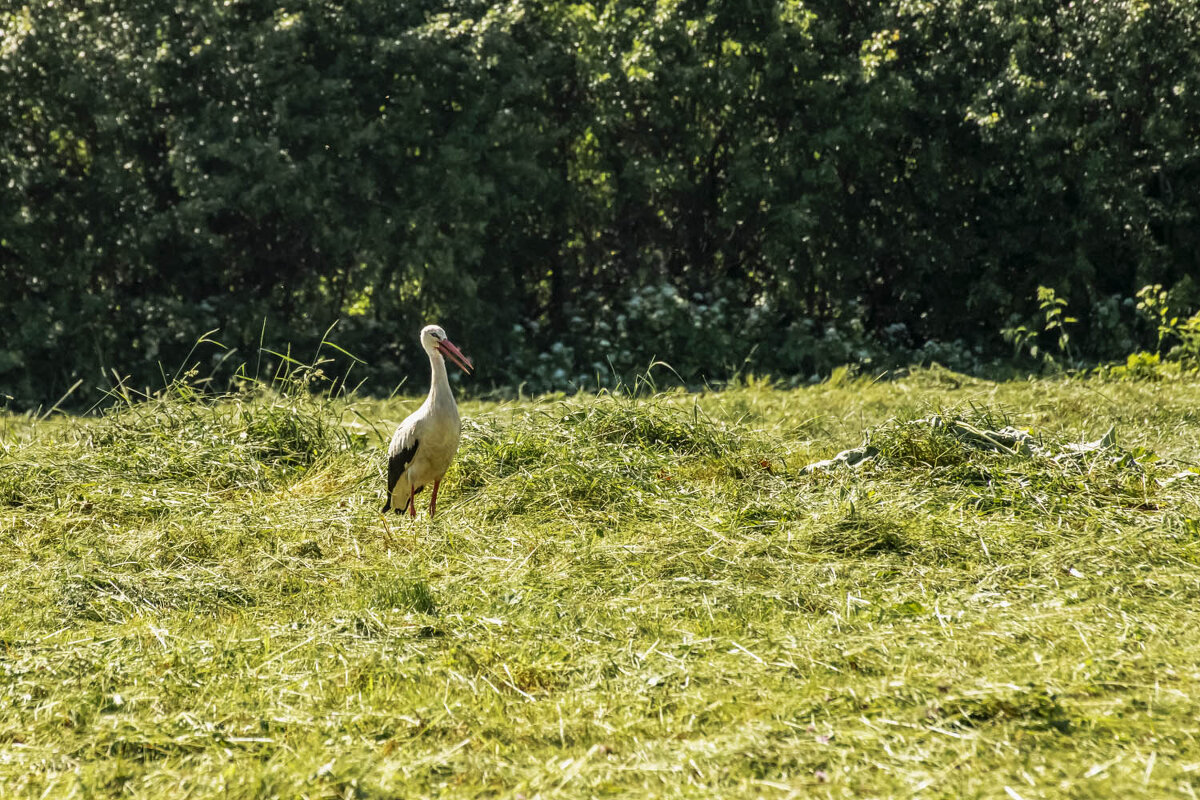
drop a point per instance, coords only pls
(412, 500)
(433, 500)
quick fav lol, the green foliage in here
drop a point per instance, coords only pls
(1054, 323)
(1052, 308)
(780, 188)
(1137, 367)
(1182, 333)
(1152, 302)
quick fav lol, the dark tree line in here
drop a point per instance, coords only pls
(572, 187)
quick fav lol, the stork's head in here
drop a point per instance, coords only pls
(434, 340)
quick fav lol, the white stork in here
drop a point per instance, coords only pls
(425, 443)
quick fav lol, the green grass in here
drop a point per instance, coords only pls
(620, 597)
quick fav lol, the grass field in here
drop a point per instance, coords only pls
(620, 597)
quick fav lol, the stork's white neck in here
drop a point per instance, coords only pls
(439, 383)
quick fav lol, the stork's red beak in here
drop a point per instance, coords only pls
(447, 348)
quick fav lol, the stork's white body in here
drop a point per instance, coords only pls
(425, 443)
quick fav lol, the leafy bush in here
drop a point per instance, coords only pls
(575, 189)
(1183, 334)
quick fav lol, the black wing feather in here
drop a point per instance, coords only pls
(397, 463)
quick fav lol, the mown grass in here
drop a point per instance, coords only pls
(621, 596)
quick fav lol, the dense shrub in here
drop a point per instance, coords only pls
(574, 188)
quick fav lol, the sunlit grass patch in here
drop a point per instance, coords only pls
(862, 534)
(631, 596)
(610, 453)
